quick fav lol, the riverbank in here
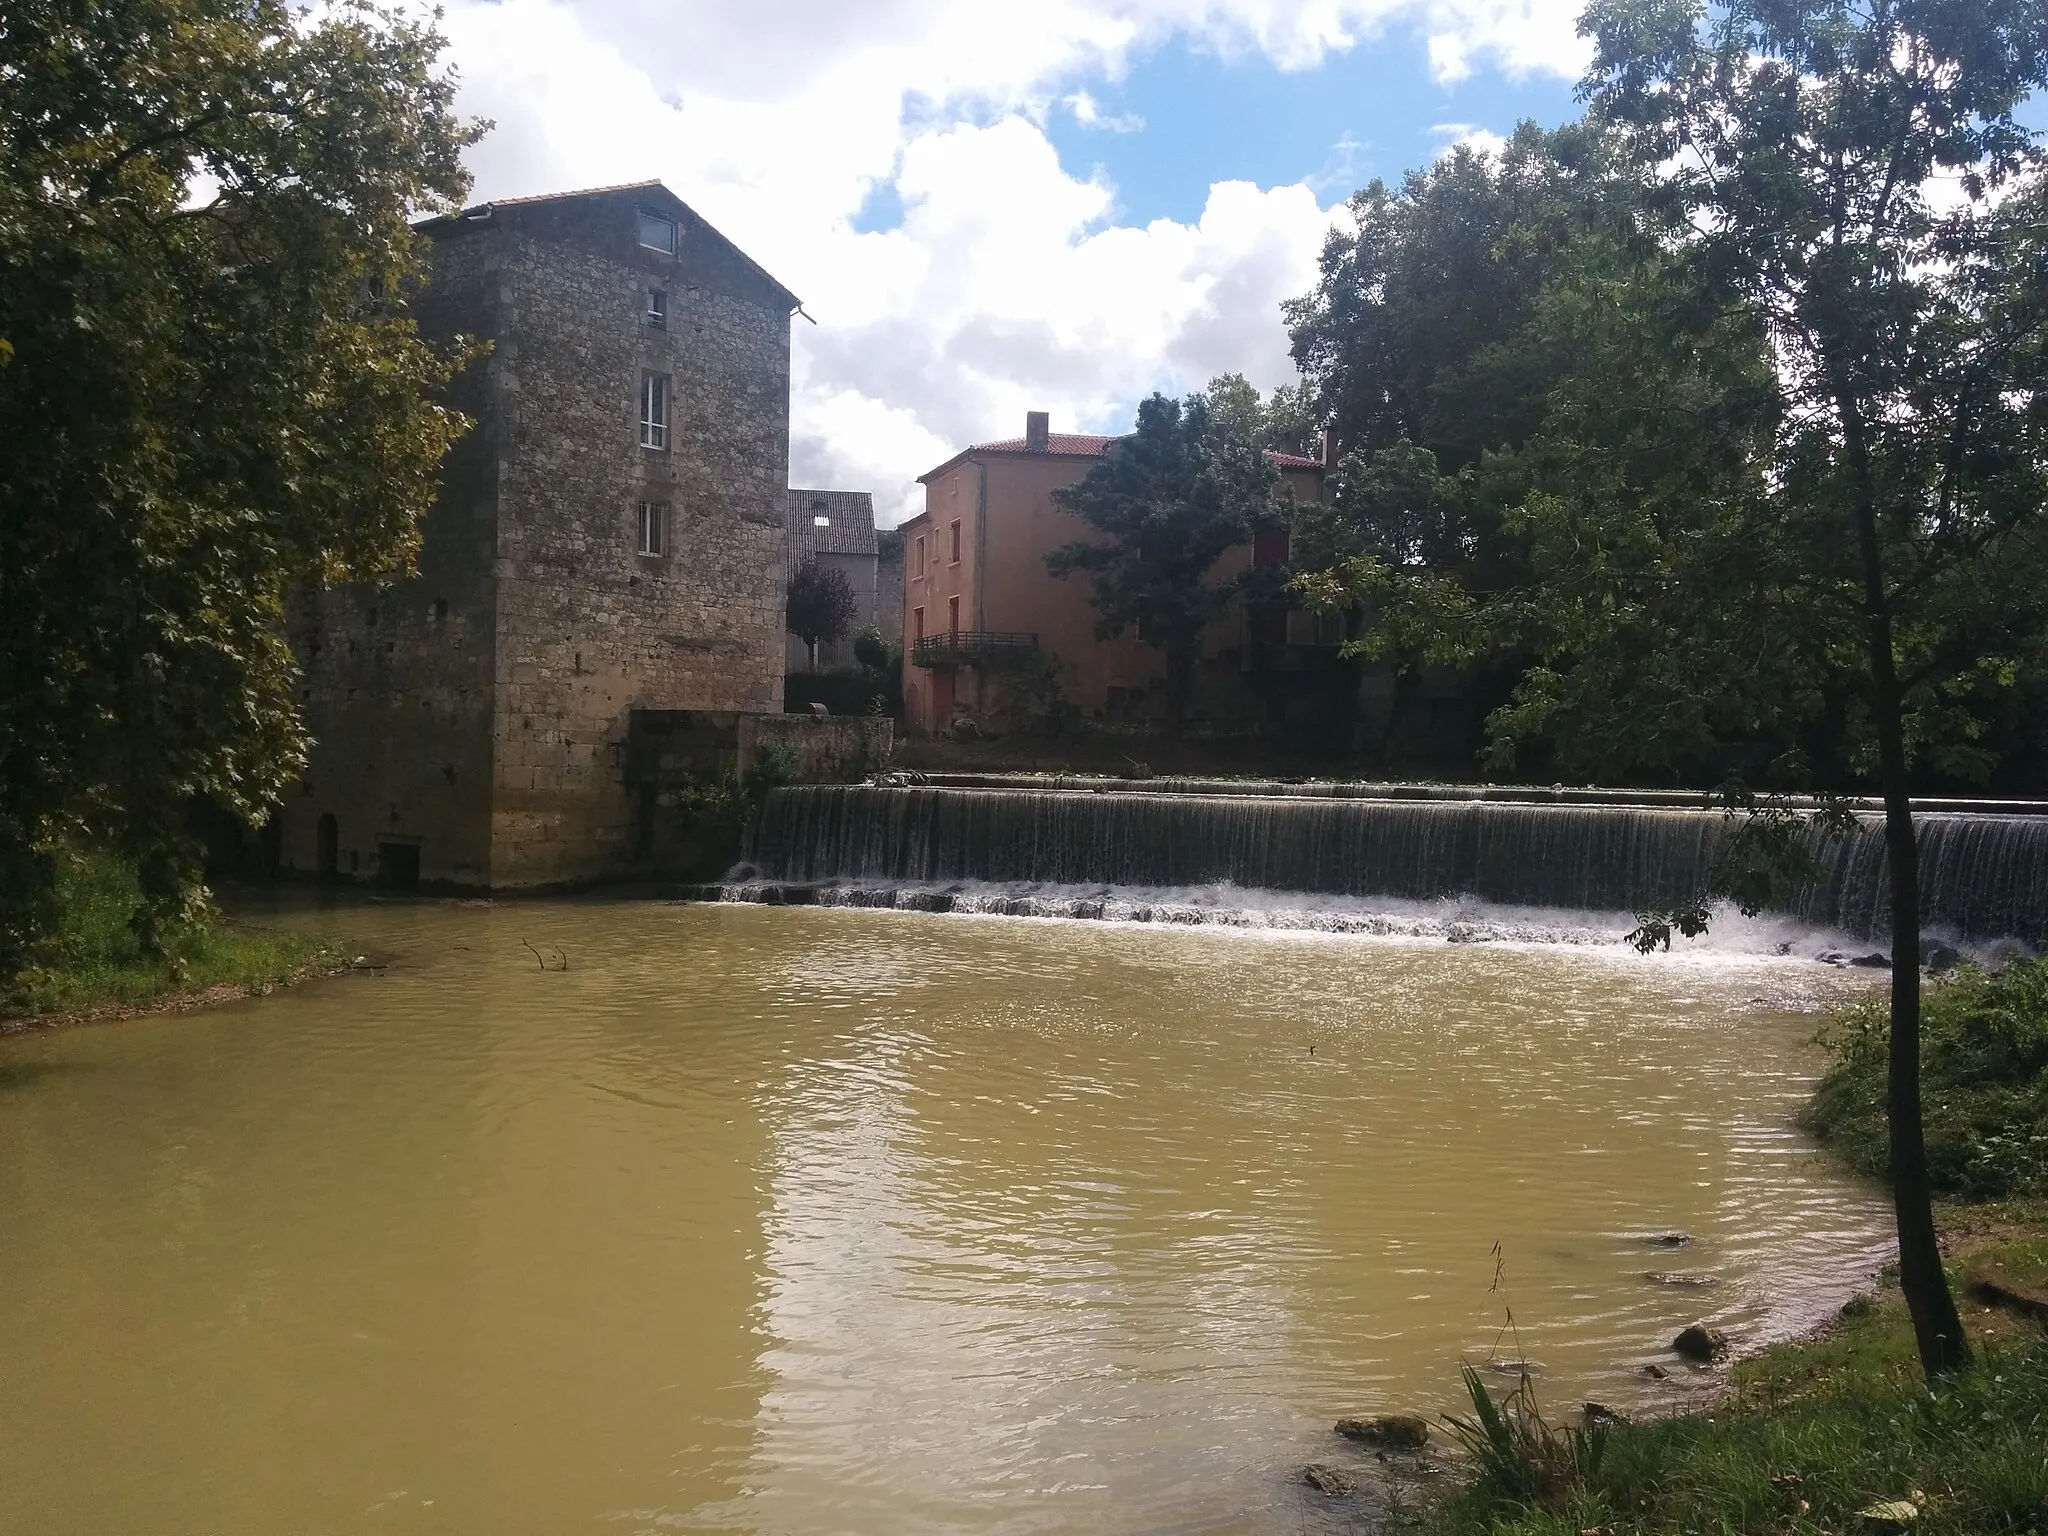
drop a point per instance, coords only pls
(1838, 1432)
(95, 968)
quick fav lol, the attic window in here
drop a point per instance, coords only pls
(658, 234)
(821, 521)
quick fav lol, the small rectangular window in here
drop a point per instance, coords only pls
(952, 615)
(953, 543)
(917, 622)
(658, 234)
(657, 310)
(917, 565)
(653, 527)
(654, 410)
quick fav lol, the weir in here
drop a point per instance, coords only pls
(1984, 873)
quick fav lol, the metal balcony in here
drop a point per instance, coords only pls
(972, 648)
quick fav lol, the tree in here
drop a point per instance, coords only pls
(1790, 476)
(871, 650)
(822, 606)
(209, 393)
(1440, 331)
(1853, 175)
(1166, 502)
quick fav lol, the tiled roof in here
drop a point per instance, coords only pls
(1086, 445)
(556, 197)
(851, 530)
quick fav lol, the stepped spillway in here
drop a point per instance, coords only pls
(1984, 872)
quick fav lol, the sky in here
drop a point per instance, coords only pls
(996, 206)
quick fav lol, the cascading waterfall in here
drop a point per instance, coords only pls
(1984, 876)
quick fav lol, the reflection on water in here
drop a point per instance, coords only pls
(807, 1221)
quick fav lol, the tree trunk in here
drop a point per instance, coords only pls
(1937, 1328)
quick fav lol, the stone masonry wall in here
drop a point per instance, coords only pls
(588, 629)
(397, 677)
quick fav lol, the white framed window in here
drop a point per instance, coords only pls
(653, 527)
(657, 310)
(658, 233)
(654, 410)
(820, 520)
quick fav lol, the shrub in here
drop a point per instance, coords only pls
(871, 650)
(1984, 1083)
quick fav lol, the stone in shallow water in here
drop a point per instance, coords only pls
(1680, 1277)
(1701, 1341)
(1327, 1479)
(1402, 1431)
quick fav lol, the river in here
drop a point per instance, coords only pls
(730, 1218)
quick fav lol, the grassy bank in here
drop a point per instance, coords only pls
(96, 965)
(1839, 1433)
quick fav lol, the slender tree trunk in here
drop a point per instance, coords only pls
(1937, 1328)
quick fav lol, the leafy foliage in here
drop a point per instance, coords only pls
(209, 392)
(1166, 502)
(1984, 1044)
(822, 605)
(872, 651)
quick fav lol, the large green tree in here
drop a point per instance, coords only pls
(1852, 174)
(1165, 504)
(209, 392)
(1792, 470)
(1448, 330)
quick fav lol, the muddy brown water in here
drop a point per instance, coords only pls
(784, 1220)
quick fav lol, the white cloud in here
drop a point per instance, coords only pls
(1089, 114)
(1470, 136)
(1008, 285)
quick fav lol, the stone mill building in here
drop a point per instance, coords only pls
(608, 544)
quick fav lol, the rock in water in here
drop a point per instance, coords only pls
(1701, 1342)
(1666, 1240)
(1401, 1431)
(1678, 1277)
(1326, 1479)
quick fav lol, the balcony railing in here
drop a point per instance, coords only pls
(972, 648)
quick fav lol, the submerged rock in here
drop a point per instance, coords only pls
(1680, 1277)
(1328, 1479)
(1401, 1431)
(1942, 958)
(1653, 1370)
(1666, 1239)
(1702, 1341)
(1873, 961)
(1598, 1414)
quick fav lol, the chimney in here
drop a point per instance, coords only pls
(1329, 447)
(1037, 432)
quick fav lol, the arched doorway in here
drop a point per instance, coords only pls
(328, 858)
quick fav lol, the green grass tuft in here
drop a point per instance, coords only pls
(96, 960)
(1815, 1433)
